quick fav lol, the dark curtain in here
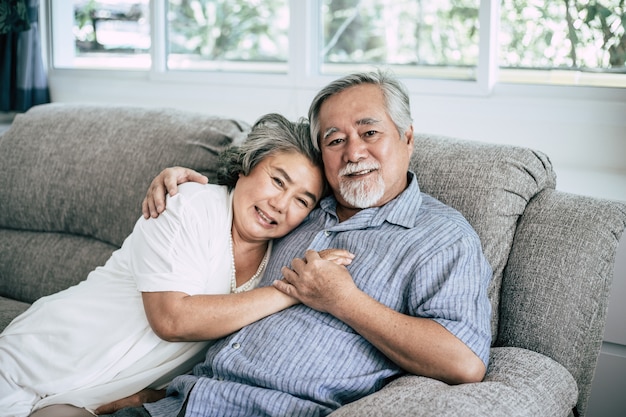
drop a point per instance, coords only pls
(23, 81)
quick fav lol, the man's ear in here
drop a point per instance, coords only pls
(408, 136)
(410, 140)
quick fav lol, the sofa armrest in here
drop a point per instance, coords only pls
(556, 284)
(519, 383)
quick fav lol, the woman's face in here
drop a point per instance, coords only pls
(275, 196)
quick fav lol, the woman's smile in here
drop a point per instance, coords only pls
(265, 219)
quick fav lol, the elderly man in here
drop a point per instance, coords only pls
(413, 300)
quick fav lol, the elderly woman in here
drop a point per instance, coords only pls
(177, 282)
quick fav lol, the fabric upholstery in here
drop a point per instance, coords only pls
(489, 184)
(519, 383)
(565, 242)
(53, 260)
(9, 309)
(84, 170)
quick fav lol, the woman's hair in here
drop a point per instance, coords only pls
(271, 134)
(395, 95)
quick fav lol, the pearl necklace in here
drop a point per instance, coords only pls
(252, 282)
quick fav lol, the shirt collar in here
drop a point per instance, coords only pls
(402, 210)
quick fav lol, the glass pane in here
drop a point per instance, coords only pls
(228, 34)
(106, 34)
(427, 38)
(569, 36)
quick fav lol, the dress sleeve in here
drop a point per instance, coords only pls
(173, 252)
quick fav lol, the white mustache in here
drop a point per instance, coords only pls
(353, 168)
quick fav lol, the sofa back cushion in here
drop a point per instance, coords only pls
(84, 169)
(489, 184)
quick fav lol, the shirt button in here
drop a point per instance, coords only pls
(235, 345)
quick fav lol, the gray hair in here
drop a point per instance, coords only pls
(394, 92)
(271, 134)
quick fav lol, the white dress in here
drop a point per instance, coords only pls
(91, 344)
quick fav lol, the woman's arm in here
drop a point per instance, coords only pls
(177, 317)
(210, 316)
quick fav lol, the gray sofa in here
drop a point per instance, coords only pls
(72, 178)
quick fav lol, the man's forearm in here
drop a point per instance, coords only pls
(418, 345)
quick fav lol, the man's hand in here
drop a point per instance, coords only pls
(147, 395)
(418, 345)
(167, 183)
(317, 282)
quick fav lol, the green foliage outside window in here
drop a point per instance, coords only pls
(411, 32)
(229, 29)
(564, 34)
(587, 35)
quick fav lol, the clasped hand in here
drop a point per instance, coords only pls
(320, 279)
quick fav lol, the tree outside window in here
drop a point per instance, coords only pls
(419, 38)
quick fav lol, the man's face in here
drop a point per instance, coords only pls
(365, 160)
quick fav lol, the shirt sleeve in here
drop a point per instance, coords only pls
(452, 288)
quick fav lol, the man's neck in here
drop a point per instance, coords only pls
(344, 213)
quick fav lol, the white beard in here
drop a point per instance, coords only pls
(361, 193)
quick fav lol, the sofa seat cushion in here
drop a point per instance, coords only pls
(9, 309)
(518, 383)
(35, 264)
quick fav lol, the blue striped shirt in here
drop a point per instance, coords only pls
(414, 254)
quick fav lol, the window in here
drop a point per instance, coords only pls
(213, 35)
(575, 42)
(438, 39)
(106, 34)
(563, 42)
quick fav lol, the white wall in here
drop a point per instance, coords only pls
(582, 130)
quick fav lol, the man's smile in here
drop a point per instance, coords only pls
(360, 173)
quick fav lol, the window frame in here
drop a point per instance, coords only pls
(303, 71)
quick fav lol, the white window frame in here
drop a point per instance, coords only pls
(303, 69)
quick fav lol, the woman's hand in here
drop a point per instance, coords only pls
(147, 395)
(338, 256)
(167, 183)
